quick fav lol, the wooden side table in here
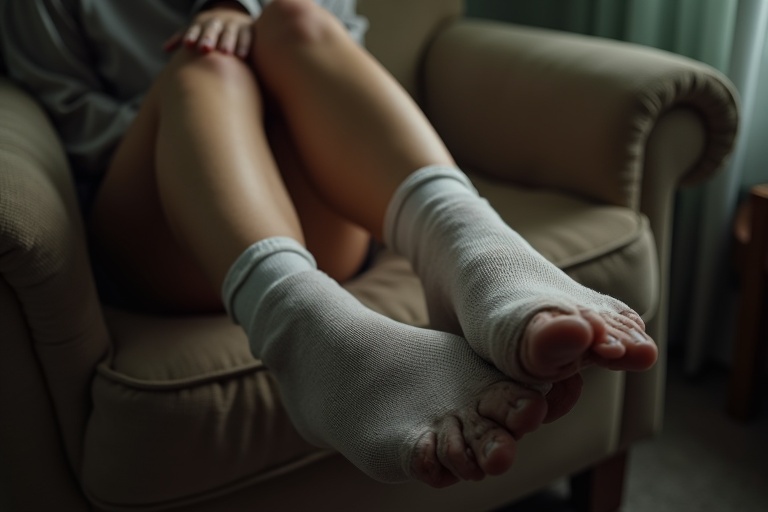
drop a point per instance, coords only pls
(749, 345)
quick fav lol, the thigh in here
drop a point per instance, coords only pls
(144, 256)
(339, 245)
(131, 238)
(359, 131)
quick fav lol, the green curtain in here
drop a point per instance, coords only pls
(701, 29)
(729, 35)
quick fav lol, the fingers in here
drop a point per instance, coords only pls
(228, 39)
(192, 35)
(226, 32)
(209, 35)
(244, 40)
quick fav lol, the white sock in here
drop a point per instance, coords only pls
(481, 278)
(351, 379)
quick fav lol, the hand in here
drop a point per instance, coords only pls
(225, 27)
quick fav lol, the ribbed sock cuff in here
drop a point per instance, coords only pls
(410, 185)
(286, 256)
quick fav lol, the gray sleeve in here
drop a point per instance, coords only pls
(44, 51)
(346, 11)
(252, 6)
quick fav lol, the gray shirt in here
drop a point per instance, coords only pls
(90, 61)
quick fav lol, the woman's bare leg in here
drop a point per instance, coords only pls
(362, 137)
(339, 245)
(219, 190)
(192, 185)
(358, 131)
(199, 176)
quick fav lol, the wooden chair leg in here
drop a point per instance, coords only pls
(601, 487)
(749, 343)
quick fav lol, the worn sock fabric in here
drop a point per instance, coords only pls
(351, 379)
(481, 278)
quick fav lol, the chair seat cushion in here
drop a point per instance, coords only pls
(183, 412)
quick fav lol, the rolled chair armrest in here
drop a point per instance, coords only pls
(564, 111)
(44, 262)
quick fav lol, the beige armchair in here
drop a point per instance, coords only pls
(580, 144)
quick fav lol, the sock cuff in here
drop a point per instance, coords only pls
(251, 258)
(410, 185)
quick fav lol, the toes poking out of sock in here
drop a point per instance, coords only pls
(610, 348)
(425, 465)
(639, 337)
(496, 452)
(555, 344)
(634, 318)
(640, 350)
(520, 410)
(454, 454)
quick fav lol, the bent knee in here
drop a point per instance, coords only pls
(288, 24)
(191, 71)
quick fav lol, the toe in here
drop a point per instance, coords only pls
(453, 452)
(518, 409)
(555, 344)
(425, 465)
(634, 319)
(640, 352)
(605, 344)
(562, 397)
(493, 446)
(504, 414)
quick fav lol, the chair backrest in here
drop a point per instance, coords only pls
(400, 31)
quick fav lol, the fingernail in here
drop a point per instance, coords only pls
(637, 337)
(612, 340)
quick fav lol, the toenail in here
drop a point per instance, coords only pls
(637, 337)
(489, 447)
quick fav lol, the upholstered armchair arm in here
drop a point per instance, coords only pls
(571, 112)
(51, 329)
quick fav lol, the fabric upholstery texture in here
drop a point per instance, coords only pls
(578, 143)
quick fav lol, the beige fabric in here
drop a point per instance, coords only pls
(30, 440)
(178, 434)
(195, 405)
(44, 262)
(402, 30)
(675, 145)
(587, 137)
